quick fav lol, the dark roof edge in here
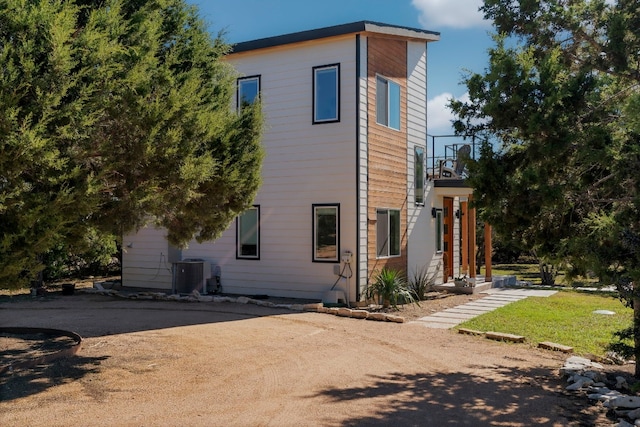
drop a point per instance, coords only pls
(336, 30)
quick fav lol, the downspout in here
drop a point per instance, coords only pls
(357, 252)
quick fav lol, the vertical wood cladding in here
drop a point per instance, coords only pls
(387, 162)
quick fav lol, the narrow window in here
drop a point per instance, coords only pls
(248, 90)
(418, 160)
(388, 233)
(326, 94)
(248, 234)
(439, 231)
(326, 232)
(387, 103)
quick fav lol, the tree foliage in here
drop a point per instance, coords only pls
(561, 97)
(115, 113)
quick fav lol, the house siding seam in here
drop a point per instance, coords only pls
(387, 148)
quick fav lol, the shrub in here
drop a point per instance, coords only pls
(390, 287)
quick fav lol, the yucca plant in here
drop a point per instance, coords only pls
(390, 287)
(422, 282)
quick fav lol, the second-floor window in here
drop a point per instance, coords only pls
(387, 103)
(248, 90)
(326, 93)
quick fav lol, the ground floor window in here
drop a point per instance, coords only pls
(326, 233)
(248, 234)
(388, 232)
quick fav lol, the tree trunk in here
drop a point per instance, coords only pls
(636, 327)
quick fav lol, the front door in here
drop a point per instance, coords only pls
(447, 231)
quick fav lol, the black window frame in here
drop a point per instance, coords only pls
(314, 109)
(239, 246)
(314, 228)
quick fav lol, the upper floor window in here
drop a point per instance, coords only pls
(248, 234)
(418, 160)
(326, 232)
(326, 93)
(248, 90)
(387, 103)
(387, 233)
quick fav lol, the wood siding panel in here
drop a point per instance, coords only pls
(387, 154)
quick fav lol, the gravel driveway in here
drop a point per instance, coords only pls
(152, 363)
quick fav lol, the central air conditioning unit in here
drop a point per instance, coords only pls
(191, 275)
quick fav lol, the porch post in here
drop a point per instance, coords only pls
(472, 240)
(464, 233)
(487, 251)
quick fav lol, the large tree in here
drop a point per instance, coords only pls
(115, 113)
(560, 101)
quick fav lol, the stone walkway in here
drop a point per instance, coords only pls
(497, 297)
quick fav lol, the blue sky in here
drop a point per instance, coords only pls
(464, 35)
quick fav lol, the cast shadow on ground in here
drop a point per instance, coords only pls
(20, 383)
(460, 399)
(95, 315)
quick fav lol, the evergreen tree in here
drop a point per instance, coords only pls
(113, 114)
(561, 97)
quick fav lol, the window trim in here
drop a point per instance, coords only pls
(257, 78)
(314, 208)
(388, 237)
(314, 105)
(418, 175)
(239, 255)
(387, 105)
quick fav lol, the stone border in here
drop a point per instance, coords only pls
(197, 297)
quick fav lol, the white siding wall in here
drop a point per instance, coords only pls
(363, 163)
(420, 227)
(305, 164)
(145, 260)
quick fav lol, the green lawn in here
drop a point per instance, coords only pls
(565, 318)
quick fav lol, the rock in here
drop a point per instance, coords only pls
(313, 307)
(395, 319)
(466, 331)
(604, 312)
(263, 303)
(555, 347)
(575, 386)
(635, 414)
(499, 336)
(623, 401)
(621, 383)
(359, 314)
(377, 316)
(296, 307)
(242, 300)
(344, 312)
(623, 423)
(333, 310)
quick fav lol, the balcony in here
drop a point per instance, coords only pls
(446, 166)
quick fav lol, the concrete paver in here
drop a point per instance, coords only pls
(496, 297)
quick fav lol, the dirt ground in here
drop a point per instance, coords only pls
(158, 363)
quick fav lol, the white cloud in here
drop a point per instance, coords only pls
(435, 14)
(439, 115)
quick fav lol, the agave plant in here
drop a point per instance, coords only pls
(390, 287)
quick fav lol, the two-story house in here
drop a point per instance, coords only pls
(345, 186)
